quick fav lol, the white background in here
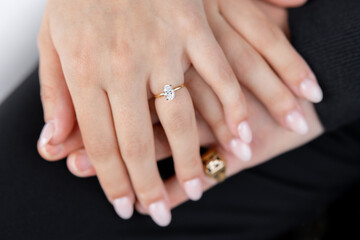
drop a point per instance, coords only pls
(19, 24)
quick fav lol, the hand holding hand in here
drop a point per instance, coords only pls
(254, 60)
(107, 58)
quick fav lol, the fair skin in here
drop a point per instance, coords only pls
(285, 77)
(269, 140)
(114, 55)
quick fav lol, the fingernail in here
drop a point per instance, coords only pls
(245, 132)
(240, 149)
(311, 90)
(46, 134)
(296, 122)
(194, 189)
(160, 213)
(80, 162)
(123, 207)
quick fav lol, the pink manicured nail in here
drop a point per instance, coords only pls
(245, 132)
(194, 189)
(46, 134)
(296, 122)
(160, 213)
(240, 149)
(311, 90)
(80, 162)
(124, 207)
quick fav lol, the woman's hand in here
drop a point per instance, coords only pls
(257, 72)
(111, 56)
(208, 105)
(269, 140)
(255, 43)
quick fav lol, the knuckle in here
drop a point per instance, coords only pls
(191, 21)
(135, 148)
(226, 73)
(273, 35)
(123, 61)
(100, 150)
(81, 62)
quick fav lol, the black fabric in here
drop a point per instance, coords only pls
(327, 34)
(42, 200)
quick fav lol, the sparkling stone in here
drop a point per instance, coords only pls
(169, 92)
(215, 166)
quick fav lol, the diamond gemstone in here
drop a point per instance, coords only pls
(169, 92)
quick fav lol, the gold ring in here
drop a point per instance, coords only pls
(169, 92)
(214, 165)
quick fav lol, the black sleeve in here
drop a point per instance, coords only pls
(327, 34)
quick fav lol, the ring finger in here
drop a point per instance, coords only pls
(178, 120)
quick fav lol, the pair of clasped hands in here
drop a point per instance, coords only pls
(101, 62)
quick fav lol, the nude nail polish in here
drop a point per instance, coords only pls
(160, 213)
(46, 134)
(311, 90)
(240, 149)
(193, 189)
(244, 132)
(296, 122)
(123, 207)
